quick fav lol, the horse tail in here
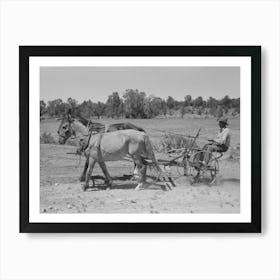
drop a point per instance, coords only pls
(150, 152)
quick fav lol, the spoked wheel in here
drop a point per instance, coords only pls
(205, 167)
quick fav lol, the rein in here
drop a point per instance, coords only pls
(82, 149)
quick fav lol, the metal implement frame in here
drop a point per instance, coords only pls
(186, 163)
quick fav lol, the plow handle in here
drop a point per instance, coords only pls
(196, 136)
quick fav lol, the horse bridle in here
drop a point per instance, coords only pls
(73, 133)
(70, 130)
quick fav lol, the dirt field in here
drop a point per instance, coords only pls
(60, 189)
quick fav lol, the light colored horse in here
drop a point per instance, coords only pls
(110, 146)
(79, 127)
(114, 146)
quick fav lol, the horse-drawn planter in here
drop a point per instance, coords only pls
(127, 139)
(198, 164)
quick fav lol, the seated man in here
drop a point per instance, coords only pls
(221, 143)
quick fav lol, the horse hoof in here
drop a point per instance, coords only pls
(135, 177)
(84, 188)
(109, 185)
(82, 179)
(166, 187)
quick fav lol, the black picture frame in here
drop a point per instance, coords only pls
(25, 52)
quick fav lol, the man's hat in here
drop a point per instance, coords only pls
(223, 120)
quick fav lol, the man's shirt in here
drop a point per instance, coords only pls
(224, 137)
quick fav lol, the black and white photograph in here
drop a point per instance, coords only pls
(142, 135)
(140, 140)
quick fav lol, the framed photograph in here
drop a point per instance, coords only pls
(140, 139)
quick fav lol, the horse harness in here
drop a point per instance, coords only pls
(98, 142)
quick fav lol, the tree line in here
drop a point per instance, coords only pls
(137, 104)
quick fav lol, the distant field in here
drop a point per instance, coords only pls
(156, 127)
(60, 190)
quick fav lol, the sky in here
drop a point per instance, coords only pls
(96, 83)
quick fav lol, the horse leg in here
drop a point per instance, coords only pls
(108, 179)
(142, 168)
(83, 176)
(91, 163)
(135, 172)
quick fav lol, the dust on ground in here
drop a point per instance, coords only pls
(61, 191)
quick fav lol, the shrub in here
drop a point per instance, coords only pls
(47, 138)
(174, 141)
